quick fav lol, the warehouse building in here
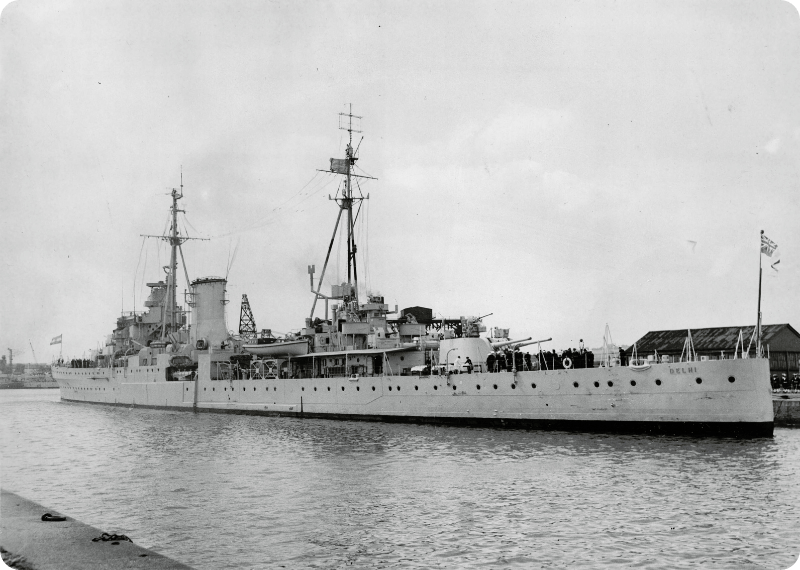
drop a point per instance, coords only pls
(781, 342)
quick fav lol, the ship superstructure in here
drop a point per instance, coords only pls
(364, 360)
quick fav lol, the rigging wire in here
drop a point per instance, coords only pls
(315, 189)
(141, 285)
(231, 258)
(136, 273)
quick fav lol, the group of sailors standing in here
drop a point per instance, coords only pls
(76, 363)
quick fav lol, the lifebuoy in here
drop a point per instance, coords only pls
(567, 363)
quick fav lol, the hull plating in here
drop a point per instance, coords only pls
(664, 398)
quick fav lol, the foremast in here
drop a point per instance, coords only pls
(171, 316)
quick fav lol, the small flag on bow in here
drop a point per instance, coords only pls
(768, 246)
(56, 340)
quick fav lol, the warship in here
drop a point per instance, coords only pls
(362, 360)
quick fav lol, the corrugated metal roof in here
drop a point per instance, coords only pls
(719, 338)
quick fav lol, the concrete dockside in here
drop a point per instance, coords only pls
(787, 409)
(34, 544)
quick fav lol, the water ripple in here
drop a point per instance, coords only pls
(218, 491)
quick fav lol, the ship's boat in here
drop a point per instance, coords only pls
(362, 360)
(279, 348)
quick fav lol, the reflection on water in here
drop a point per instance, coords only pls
(218, 491)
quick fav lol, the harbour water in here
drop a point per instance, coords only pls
(221, 491)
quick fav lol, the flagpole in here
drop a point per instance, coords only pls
(758, 333)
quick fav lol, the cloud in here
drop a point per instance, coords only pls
(773, 146)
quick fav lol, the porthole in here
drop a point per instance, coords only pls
(416, 387)
(575, 384)
(390, 388)
(658, 382)
(274, 388)
(187, 389)
(358, 388)
(243, 388)
(478, 386)
(213, 389)
(315, 388)
(225, 389)
(303, 389)
(610, 383)
(495, 386)
(731, 379)
(435, 387)
(373, 388)
(698, 380)
(633, 382)
(329, 388)
(342, 388)
(204, 389)
(402, 358)
(597, 384)
(513, 386)
(254, 388)
(454, 386)
(398, 388)
(533, 385)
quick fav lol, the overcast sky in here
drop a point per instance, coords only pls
(562, 165)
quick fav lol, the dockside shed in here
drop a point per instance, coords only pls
(782, 342)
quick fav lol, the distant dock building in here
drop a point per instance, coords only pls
(782, 342)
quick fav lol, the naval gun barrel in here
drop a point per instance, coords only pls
(496, 345)
(533, 342)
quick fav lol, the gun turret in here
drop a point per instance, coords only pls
(496, 345)
(533, 342)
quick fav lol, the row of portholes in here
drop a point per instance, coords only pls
(88, 388)
(698, 380)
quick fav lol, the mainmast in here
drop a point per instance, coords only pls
(344, 166)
